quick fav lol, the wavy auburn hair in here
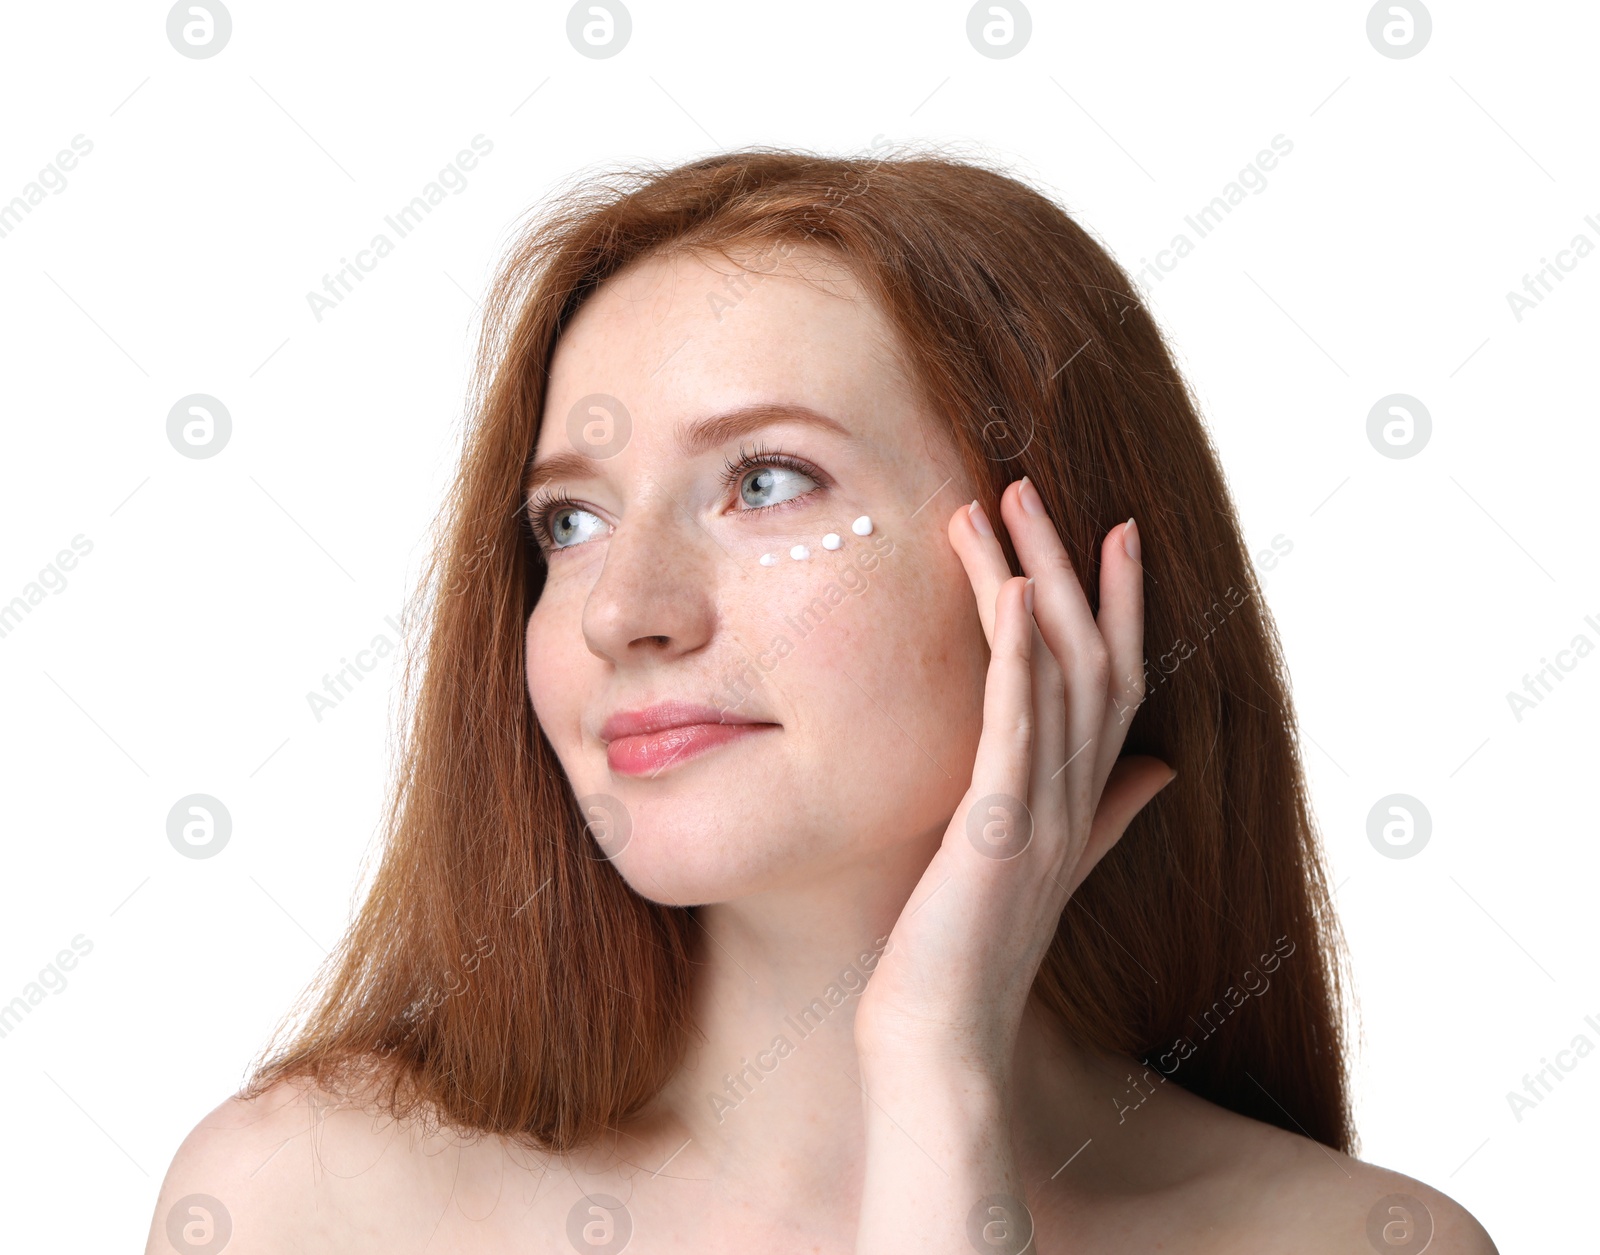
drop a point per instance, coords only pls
(503, 978)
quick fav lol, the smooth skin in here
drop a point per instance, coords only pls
(839, 831)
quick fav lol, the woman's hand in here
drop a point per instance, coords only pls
(1049, 797)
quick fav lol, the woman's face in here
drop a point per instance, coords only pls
(862, 667)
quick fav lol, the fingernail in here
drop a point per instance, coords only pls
(979, 519)
(1027, 594)
(1130, 540)
(1031, 501)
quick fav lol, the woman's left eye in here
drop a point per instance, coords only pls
(766, 478)
(773, 485)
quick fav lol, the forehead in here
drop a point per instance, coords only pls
(677, 337)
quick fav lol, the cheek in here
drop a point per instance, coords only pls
(879, 662)
(551, 689)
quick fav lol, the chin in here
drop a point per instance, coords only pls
(690, 870)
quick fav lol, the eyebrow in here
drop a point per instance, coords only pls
(693, 439)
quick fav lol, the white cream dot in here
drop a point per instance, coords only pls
(799, 553)
(862, 526)
(831, 541)
(769, 559)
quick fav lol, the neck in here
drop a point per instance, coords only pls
(769, 1095)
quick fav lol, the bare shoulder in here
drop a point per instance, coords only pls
(1322, 1201)
(298, 1168)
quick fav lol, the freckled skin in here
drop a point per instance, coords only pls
(805, 843)
(879, 690)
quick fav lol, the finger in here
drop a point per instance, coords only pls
(1069, 630)
(1001, 766)
(1048, 798)
(1132, 783)
(972, 537)
(1121, 622)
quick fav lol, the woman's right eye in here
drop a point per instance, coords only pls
(563, 525)
(568, 527)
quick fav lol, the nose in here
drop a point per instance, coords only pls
(655, 596)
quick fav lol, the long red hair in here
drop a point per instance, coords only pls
(501, 976)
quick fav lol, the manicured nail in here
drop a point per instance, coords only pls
(1027, 594)
(1130, 540)
(979, 519)
(1031, 501)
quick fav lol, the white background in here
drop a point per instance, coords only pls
(218, 592)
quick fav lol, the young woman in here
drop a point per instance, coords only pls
(773, 866)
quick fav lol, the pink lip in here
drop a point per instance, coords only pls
(646, 742)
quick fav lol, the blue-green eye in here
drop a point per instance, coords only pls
(561, 523)
(773, 485)
(775, 479)
(765, 479)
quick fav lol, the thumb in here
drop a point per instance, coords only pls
(1132, 783)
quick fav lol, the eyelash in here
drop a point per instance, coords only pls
(546, 502)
